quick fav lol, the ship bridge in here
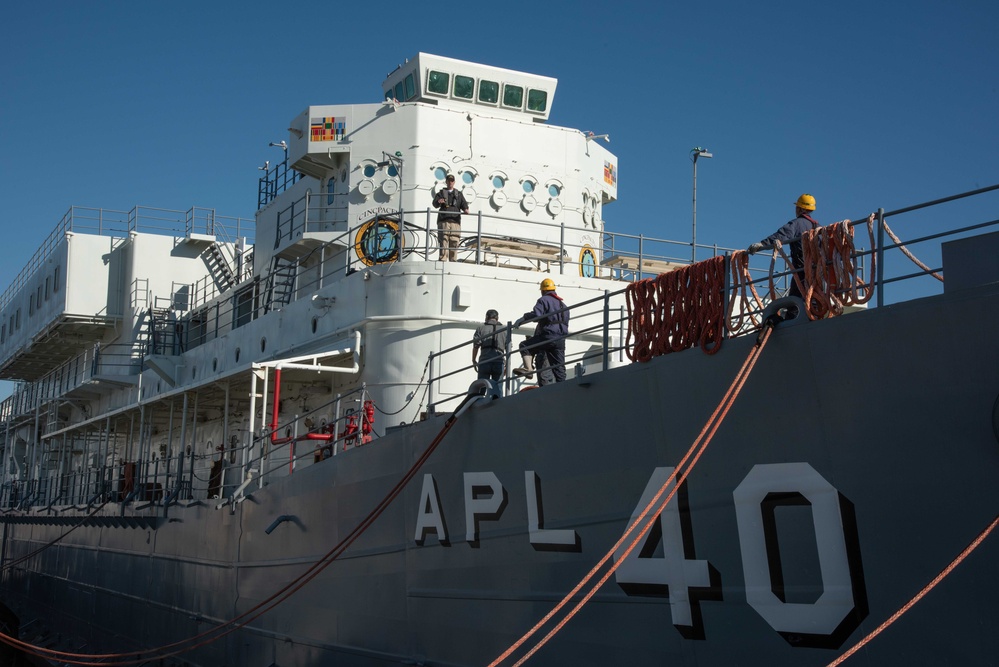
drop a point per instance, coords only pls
(446, 81)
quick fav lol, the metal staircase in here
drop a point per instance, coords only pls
(280, 283)
(219, 267)
(160, 333)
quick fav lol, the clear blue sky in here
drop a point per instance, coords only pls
(173, 104)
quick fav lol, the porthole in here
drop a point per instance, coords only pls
(554, 190)
(499, 182)
(263, 344)
(392, 171)
(468, 177)
(369, 170)
(237, 355)
(315, 324)
(528, 186)
(440, 173)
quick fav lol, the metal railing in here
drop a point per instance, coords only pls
(597, 326)
(110, 222)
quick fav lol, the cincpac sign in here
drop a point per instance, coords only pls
(825, 622)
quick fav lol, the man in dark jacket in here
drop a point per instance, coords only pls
(451, 204)
(490, 337)
(791, 233)
(548, 341)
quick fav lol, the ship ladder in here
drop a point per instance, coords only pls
(220, 269)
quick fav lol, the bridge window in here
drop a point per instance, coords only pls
(464, 86)
(437, 82)
(410, 87)
(398, 91)
(488, 92)
(55, 280)
(513, 96)
(537, 100)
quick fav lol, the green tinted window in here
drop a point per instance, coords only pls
(537, 100)
(438, 82)
(464, 86)
(410, 87)
(398, 91)
(488, 92)
(513, 96)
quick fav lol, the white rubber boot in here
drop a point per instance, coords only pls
(527, 368)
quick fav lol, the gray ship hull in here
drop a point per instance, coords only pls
(870, 436)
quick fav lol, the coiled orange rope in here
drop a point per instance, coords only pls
(689, 307)
(831, 275)
(677, 310)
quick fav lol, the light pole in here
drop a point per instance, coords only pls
(695, 153)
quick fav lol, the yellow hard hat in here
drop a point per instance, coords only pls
(547, 285)
(806, 202)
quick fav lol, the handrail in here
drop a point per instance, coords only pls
(109, 222)
(592, 322)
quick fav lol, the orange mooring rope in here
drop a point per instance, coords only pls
(639, 528)
(906, 252)
(919, 596)
(214, 634)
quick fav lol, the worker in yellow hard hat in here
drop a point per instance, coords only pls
(548, 341)
(791, 234)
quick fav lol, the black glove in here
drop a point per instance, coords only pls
(754, 248)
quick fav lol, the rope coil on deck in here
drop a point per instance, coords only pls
(676, 310)
(689, 307)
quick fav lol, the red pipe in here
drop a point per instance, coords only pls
(277, 405)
